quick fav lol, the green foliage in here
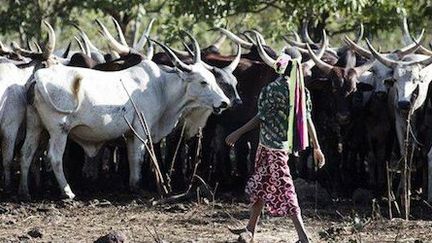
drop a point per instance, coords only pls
(274, 18)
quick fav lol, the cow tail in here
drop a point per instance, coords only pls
(75, 90)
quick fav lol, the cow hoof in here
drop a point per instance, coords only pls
(67, 196)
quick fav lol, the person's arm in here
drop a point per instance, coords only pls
(318, 155)
(249, 126)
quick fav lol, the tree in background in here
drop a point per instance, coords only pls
(274, 18)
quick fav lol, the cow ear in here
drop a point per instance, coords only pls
(389, 82)
(364, 87)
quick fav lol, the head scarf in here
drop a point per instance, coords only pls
(297, 133)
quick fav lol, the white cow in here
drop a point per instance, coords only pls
(412, 75)
(91, 106)
(12, 112)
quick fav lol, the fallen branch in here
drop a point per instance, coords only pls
(160, 182)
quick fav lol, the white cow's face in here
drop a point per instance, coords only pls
(203, 89)
(228, 83)
(407, 80)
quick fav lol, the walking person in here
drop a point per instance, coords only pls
(285, 125)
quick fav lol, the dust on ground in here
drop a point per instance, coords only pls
(86, 220)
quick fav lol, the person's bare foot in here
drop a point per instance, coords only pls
(246, 237)
(237, 230)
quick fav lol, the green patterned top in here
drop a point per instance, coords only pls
(273, 111)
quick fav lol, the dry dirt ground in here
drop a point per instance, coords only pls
(85, 220)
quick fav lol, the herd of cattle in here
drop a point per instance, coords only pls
(365, 104)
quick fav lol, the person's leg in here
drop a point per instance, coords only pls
(255, 212)
(299, 226)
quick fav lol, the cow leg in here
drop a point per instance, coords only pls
(56, 148)
(7, 146)
(430, 175)
(31, 142)
(135, 149)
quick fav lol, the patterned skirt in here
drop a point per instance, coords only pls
(272, 182)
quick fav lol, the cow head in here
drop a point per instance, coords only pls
(201, 84)
(411, 76)
(224, 76)
(343, 81)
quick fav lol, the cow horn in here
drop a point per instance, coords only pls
(310, 63)
(305, 33)
(248, 38)
(38, 48)
(258, 34)
(66, 52)
(424, 51)
(411, 48)
(384, 60)
(150, 50)
(360, 50)
(189, 52)
(80, 45)
(219, 41)
(146, 33)
(119, 31)
(4, 49)
(50, 45)
(86, 46)
(264, 56)
(360, 34)
(405, 31)
(236, 60)
(197, 50)
(296, 36)
(174, 59)
(293, 42)
(235, 38)
(87, 39)
(363, 68)
(325, 67)
(121, 49)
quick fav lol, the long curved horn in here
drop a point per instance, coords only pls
(197, 50)
(174, 59)
(236, 60)
(121, 49)
(80, 45)
(382, 59)
(235, 38)
(150, 50)
(360, 50)
(219, 41)
(310, 63)
(146, 33)
(296, 36)
(363, 68)
(405, 32)
(50, 45)
(4, 49)
(412, 47)
(325, 67)
(66, 53)
(360, 34)
(119, 31)
(86, 39)
(258, 34)
(248, 38)
(305, 33)
(25, 53)
(38, 48)
(86, 46)
(424, 51)
(294, 43)
(266, 58)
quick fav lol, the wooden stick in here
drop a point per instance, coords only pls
(389, 188)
